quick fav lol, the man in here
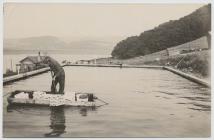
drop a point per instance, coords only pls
(58, 75)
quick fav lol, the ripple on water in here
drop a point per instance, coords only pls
(139, 106)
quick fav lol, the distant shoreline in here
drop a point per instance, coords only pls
(14, 52)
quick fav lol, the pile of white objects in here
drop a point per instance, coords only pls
(56, 100)
(41, 97)
(22, 95)
(53, 99)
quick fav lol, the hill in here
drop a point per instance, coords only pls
(54, 44)
(34, 43)
(169, 34)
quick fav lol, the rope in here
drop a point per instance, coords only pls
(102, 101)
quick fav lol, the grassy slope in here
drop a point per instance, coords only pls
(195, 63)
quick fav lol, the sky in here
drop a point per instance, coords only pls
(82, 21)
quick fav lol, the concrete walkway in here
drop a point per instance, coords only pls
(20, 76)
(119, 66)
(189, 77)
(192, 78)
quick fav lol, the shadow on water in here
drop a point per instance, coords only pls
(57, 115)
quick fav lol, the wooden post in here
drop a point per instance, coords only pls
(11, 65)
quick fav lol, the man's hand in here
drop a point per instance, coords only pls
(54, 78)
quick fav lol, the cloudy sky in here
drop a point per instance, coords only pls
(78, 21)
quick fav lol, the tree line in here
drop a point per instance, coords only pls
(169, 34)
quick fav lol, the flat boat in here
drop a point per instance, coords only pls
(46, 98)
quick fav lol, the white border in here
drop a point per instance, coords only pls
(1, 68)
(101, 1)
(109, 1)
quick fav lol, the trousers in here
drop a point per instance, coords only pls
(58, 80)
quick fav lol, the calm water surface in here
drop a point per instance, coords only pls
(142, 103)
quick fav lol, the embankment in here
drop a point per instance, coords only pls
(20, 76)
(194, 63)
(197, 63)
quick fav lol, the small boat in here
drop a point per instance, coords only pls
(46, 98)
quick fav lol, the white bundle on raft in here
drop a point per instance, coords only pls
(54, 99)
(46, 98)
(22, 95)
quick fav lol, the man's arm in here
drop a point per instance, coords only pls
(58, 73)
(42, 64)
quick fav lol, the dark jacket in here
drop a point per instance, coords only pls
(55, 67)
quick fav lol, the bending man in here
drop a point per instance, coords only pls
(58, 75)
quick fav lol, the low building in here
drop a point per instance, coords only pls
(30, 63)
(82, 62)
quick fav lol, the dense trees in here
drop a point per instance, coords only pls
(169, 34)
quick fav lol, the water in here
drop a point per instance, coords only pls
(142, 103)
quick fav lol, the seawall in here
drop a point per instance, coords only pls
(21, 76)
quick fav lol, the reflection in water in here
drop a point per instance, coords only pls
(84, 110)
(9, 108)
(57, 115)
(141, 108)
(57, 118)
(18, 108)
